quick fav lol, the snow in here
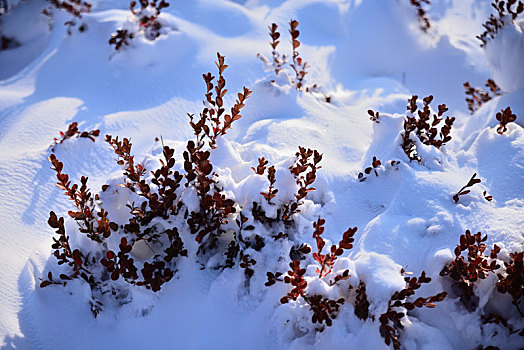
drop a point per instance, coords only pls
(365, 54)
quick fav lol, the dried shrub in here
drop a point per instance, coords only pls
(504, 117)
(304, 171)
(463, 191)
(260, 170)
(298, 65)
(512, 280)
(375, 167)
(213, 122)
(361, 302)
(95, 224)
(164, 201)
(65, 255)
(159, 197)
(278, 60)
(324, 309)
(390, 321)
(426, 129)
(121, 38)
(74, 7)
(374, 116)
(326, 261)
(466, 270)
(478, 96)
(73, 132)
(497, 319)
(509, 8)
(147, 16)
(423, 19)
(246, 264)
(148, 23)
(86, 214)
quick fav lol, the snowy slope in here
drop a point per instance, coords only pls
(366, 54)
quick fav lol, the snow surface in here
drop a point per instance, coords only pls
(366, 54)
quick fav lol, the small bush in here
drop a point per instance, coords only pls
(361, 302)
(212, 122)
(512, 280)
(477, 96)
(147, 18)
(376, 167)
(463, 191)
(121, 38)
(374, 116)
(423, 19)
(73, 132)
(510, 8)
(419, 122)
(297, 64)
(465, 271)
(324, 309)
(76, 8)
(504, 117)
(390, 321)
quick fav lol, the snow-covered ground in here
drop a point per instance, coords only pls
(365, 54)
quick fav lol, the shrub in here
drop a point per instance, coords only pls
(324, 309)
(504, 117)
(465, 271)
(423, 20)
(260, 170)
(121, 38)
(471, 183)
(361, 302)
(426, 132)
(74, 7)
(95, 224)
(298, 65)
(476, 266)
(390, 321)
(160, 199)
(426, 129)
(494, 23)
(376, 166)
(512, 280)
(326, 261)
(479, 96)
(304, 171)
(86, 214)
(73, 132)
(147, 18)
(374, 116)
(213, 122)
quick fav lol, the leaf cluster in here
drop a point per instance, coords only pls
(494, 23)
(73, 132)
(390, 321)
(478, 96)
(419, 122)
